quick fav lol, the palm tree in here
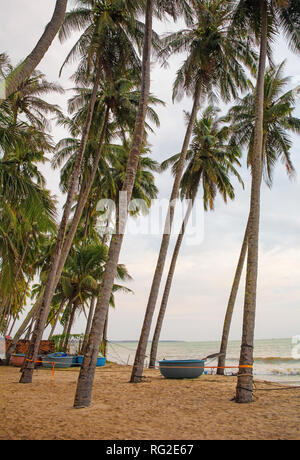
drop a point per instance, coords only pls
(109, 182)
(27, 209)
(265, 18)
(119, 99)
(110, 33)
(210, 161)
(79, 285)
(28, 100)
(213, 62)
(86, 377)
(278, 121)
(18, 133)
(88, 324)
(13, 81)
(81, 277)
(144, 188)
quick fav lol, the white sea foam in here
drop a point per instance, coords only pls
(273, 358)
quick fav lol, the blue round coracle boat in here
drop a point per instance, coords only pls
(101, 361)
(182, 369)
(61, 360)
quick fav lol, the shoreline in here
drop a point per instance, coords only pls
(157, 409)
(271, 362)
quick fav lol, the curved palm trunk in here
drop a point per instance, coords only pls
(19, 268)
(22, 328)
(245, 378)
(234, 291)
(138, 365)
(87, 371)
(106, 231)
(165, 298)
(70, 325)
(17, 276)
(56, 319)
(22, 258)
(64, 333)
(104, 341)
(231, 304)
(51, 279)
(7, 325)
(4, 314)
(66, 314)
(88, 325)
(12, 326)
(28, 333)
(24, 70)
(83, 197)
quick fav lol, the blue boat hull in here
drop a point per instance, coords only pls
(181, 369)
(61, 361)
(100, 361)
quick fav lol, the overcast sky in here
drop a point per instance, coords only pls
(205, 271)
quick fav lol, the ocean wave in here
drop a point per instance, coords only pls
(285, 372)
(289, 372)
(279, 359)
(271, 360)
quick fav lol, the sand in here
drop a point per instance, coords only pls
(157, 409)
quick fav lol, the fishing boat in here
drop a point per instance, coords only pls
(61, 360)
(184, 369)
(101, 361)
(17, 359)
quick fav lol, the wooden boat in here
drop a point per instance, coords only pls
(61, 360)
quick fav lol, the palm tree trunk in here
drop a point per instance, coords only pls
(66, 317)
(22, 258)
(70, 324)
(22, 328)
(83, 197)
(104, 341)
(12, 326)
(235, 288)
(28, 333)
(88, 325)
(86, 224)
(52, 277)
(24, 70)
(106, 231)
(56, 319)
(245, 378)
(5, 311)
(138, 366)
(87, 372)
(7, 325)
(20, 265)
(231, 303)
(165, 298)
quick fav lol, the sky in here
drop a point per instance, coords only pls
(206, 266)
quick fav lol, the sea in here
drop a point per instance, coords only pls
(276, 360)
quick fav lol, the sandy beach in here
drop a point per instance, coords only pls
(157, 409)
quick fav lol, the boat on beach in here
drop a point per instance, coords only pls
(101, 361)
(185, 369)
(61, 360)
(182, 369)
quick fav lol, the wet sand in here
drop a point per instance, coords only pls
(157, 409)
